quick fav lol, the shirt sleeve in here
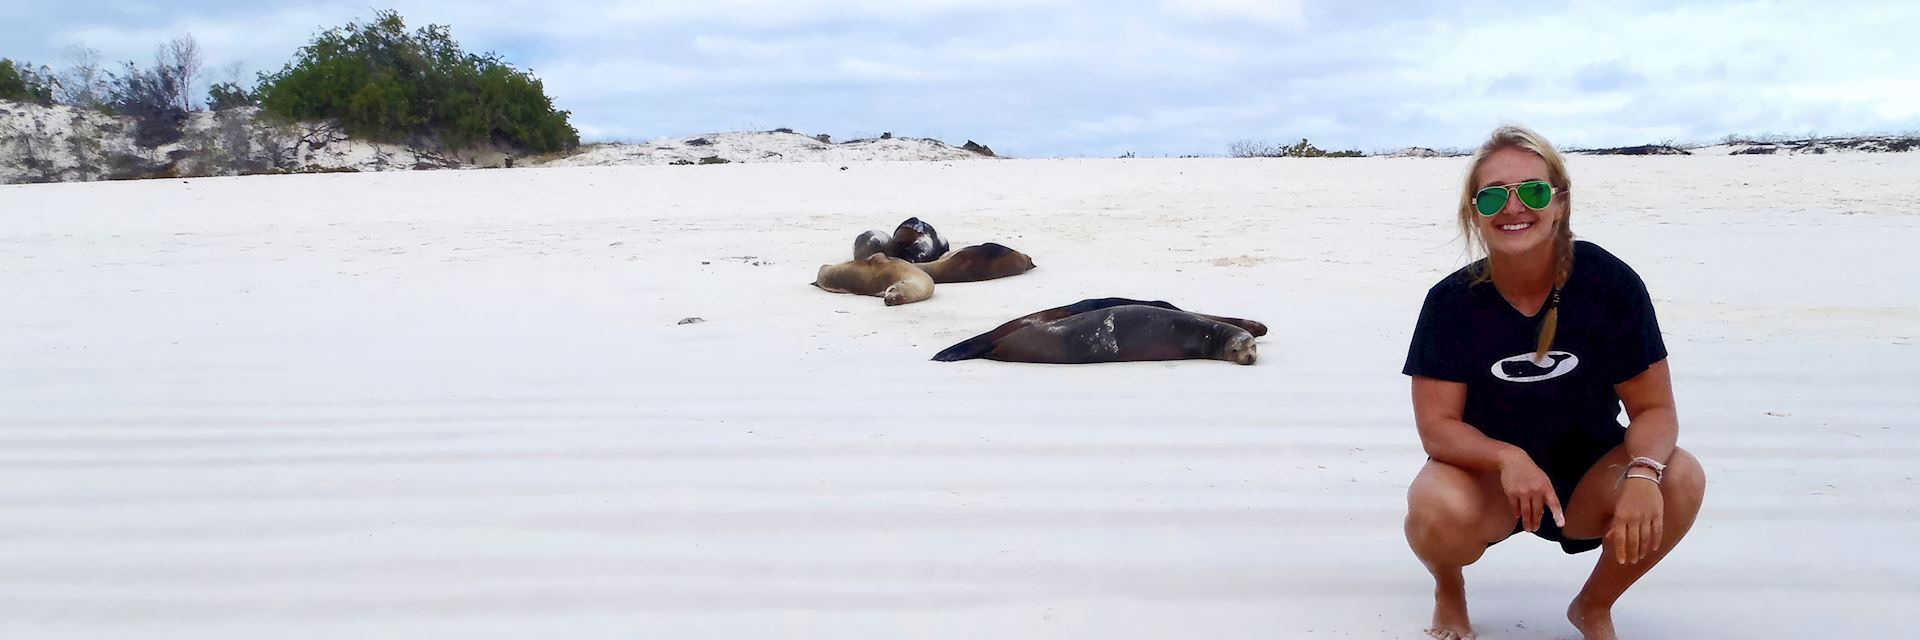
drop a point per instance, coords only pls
(1436, 348)
(1637, 344)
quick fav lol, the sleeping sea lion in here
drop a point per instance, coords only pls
(979, 345)
(916, 241)
(976, 263)
(1127, 333)
(894, 280)
(873, 242)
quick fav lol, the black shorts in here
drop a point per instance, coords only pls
(1565, 465)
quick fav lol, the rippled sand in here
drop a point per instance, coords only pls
(459, 404)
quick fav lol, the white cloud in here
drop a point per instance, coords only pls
(1289, 13)
(1154, 76)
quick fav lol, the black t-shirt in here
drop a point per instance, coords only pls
(1607, 335)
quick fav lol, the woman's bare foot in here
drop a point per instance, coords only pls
(1594, 623)
(1450, 609)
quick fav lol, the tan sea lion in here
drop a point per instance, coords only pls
(979, 345)
(976, 263)
(1127, 333)
(894, 280)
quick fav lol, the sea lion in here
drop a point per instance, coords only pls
(894, 280)
(1127, 333)
(916, 241)
(873, 242)
(976, 263)
(979, 345)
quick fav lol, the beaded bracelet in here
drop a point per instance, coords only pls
(1659, 470)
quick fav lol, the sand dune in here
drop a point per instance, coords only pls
(458, 404)
(760, 147)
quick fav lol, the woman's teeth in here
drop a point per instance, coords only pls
(1515, 227)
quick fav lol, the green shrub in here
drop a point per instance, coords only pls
(227, 95)
(385, 83)
(1303, 149)
(19, 82)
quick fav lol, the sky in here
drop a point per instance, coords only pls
(1046, 78)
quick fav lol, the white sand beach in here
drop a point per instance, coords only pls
(457, 404)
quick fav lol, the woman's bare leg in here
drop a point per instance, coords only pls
(1589, 514)
(1452, 514)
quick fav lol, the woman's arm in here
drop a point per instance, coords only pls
(1437, 409)
(1438, 406)
(1653, 427)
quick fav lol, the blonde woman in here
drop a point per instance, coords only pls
(1521, 364)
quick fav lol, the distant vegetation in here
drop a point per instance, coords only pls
(379, 80)
(20, 83)
(1301, 149)
(385, 83)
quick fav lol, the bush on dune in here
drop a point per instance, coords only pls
(21, 83)
(385, 83)
(1302, 149)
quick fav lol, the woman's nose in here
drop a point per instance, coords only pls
(1513, 202)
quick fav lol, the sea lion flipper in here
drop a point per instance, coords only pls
(968, 349)
(1254, 327)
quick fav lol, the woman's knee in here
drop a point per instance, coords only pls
(1684, 477)
(1443, 505)
(1430, 512)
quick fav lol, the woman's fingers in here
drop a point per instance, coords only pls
(1525, 501)
(1638, 536)
(1553, 504)
(1650, 539)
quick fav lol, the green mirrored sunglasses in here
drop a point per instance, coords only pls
(1536, 194)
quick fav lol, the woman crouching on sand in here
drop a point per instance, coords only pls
(1520, 364)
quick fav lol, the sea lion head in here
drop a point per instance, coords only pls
(894, 295)
(1240, 348)
(871, 242)
(916, 241)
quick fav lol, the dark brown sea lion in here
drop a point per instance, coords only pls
(916, 241)
(894, 280)
(913, 241)
(979, 345)
(872, 242)
(1127, 333)
(978, 262)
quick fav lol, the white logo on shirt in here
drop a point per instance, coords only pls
(1524, 368)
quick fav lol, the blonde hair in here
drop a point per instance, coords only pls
(1519, 137)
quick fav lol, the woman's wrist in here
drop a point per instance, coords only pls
(1508, 457)
(1642, 465)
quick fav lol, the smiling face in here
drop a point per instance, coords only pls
(1517, 230)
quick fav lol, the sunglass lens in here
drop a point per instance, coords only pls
(1490, 200)
(1535, 194)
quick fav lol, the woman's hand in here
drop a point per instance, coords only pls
(1635, 532)
(1529, 492)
